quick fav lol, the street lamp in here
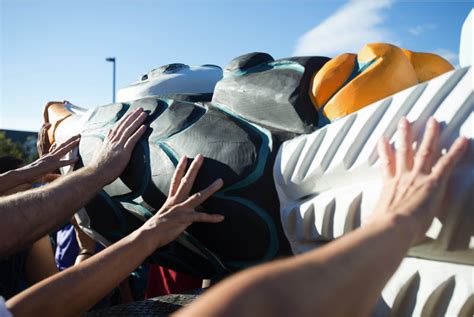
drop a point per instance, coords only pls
(112, 59)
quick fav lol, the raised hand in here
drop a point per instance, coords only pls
(415, 183)
(179, 210)
(51, 160)
(117, 148)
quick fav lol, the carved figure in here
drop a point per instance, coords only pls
(294, 141)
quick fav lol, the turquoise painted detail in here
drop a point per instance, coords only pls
(273, 65)
(186, 127)
(122, 112)
(163, 104)
(173, 156)
(287, 65)
(122, 223)
(109, 124)
(264, 151)
(167, 101)
(146, 176)
(118, 116)
(138, 208)
(274, 243)
(105, 126)
(364, 66)
(186, 238)
(128, 198)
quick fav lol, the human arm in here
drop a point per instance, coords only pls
(87, 245)
(346, 277)
(16, 189)
(40, 263)
(29, 215)
(42, 166)
(78, 288)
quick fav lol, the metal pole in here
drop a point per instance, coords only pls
(113, 88)
(112, 59)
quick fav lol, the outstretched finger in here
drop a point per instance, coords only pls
(72, 139)
(62, 163)
(404, 154)
(64, 148)
(130, 130)
(178, 175)
(387, 157)
(187, 181)
(205, 217)
(200, 197)
(446, 163)
(426, 153)
(126, 122)
(133, 140)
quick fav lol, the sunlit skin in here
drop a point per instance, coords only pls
(41, 210)
(334, 274)
(76, 289)
(346, 277)
(46, 164)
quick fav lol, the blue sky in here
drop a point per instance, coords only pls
(55, 50)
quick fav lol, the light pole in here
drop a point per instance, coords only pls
(112, 59)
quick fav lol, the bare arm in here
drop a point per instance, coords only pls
(86, 244)
(78, 288)
(345, 277)
(342, 278)
(29, 215)
(42, 166)
(40, 262)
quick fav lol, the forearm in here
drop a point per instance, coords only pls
(17, 177)
(29, 215)
(354, 268)
(40, 262)
(78, 288)
(81, 258)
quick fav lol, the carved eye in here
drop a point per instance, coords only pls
(212, 66)
(172, 68)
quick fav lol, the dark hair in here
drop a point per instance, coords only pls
(8, 163)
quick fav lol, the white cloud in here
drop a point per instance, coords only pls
(449, 55)
(422, 28)
(355, 24)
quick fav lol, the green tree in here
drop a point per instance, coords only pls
(8, 147)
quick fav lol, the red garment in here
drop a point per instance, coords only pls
(163, 281)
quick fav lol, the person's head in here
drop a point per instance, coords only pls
(8, 163)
